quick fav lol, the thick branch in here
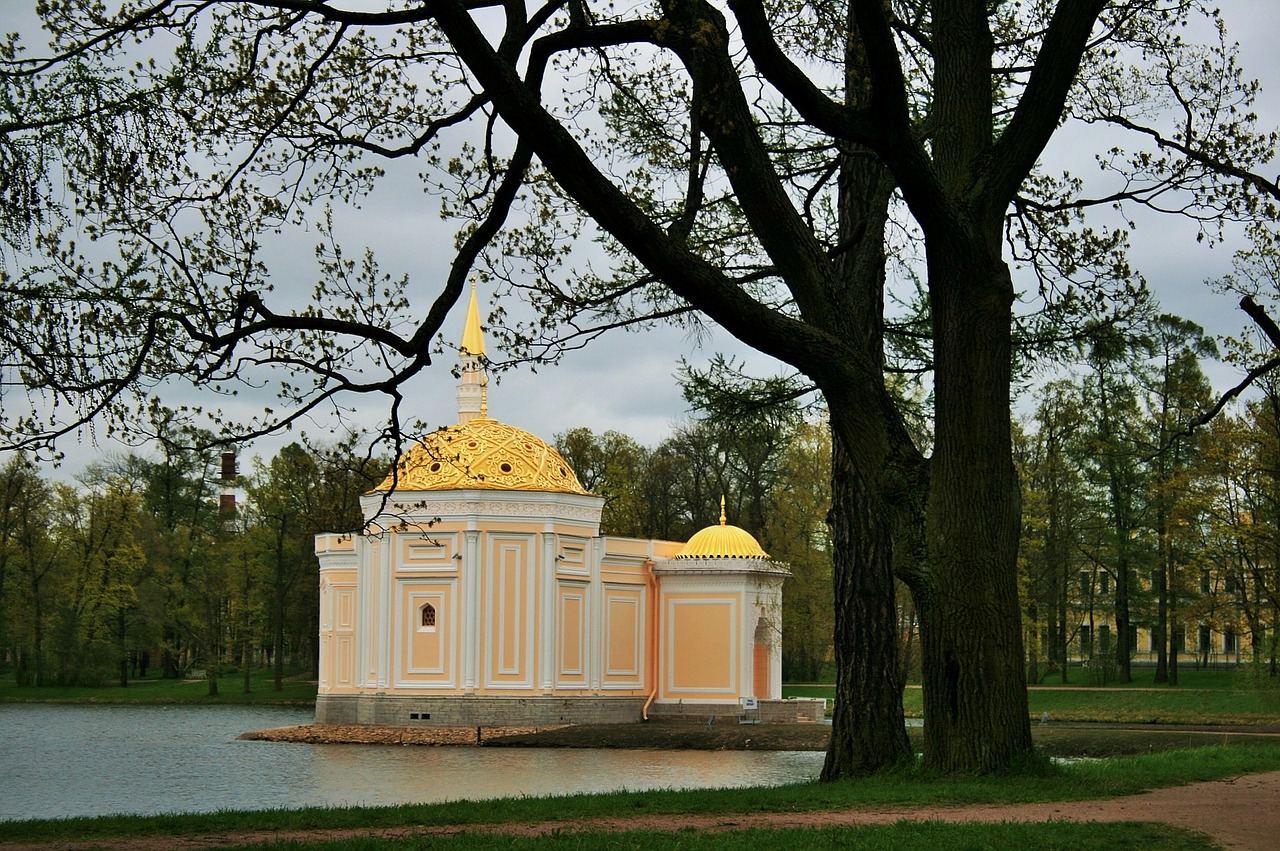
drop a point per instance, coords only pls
(688, 275)
(1269, 327)
(1040, 107)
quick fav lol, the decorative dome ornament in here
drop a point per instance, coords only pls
(483, 454)
(723, 541)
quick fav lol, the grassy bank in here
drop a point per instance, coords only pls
(910, 787)
(1053, 740)
(933, 835)
(153, 689)
(1205, 697)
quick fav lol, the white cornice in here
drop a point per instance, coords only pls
(483, 505)
(720, 566)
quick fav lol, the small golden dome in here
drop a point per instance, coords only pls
(483, 454)
(723, 541)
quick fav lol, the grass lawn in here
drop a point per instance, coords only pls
(933, 835)
(1206, 697)
(297, 690)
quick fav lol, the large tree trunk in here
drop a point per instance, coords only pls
(867, 731)
(975, 698)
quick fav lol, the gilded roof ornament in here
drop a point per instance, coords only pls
(483, 454)
(722, 541)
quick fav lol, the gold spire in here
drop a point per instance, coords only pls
(473, 390)
(472, 336)
(722, 518)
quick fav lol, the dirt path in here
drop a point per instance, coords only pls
(1240, 813)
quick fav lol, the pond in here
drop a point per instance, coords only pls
(61, 761)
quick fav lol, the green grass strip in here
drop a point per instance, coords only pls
(933, 835)
(154, 690)
(1036, 781)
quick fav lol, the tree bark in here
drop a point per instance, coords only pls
(975, 699)
(867, 731)
(871, 502)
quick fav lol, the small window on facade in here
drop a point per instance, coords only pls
(1229, 640)
(1105, 581)
(1204, 582)
(428, 620)
(1204, 639)
(1229, 584)
(1085, 584)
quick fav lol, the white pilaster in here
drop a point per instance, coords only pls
(547, 626)
(470, 627)
(385, 622)
(596, 649)
(366, 595)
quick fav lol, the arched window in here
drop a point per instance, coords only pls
(428, 619)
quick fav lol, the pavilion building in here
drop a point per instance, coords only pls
(481, 593)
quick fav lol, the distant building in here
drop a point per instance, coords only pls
(1210, 631)
(482, 593)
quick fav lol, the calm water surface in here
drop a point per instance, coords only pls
(61, 761)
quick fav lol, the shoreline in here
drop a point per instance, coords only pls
(369, 734)
(657, 735)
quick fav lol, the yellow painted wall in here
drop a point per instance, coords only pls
(701, 646)
(337, 631)
(427, 652)
(430, 550)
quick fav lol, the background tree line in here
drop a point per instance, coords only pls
(137, 566)
(1134, 526)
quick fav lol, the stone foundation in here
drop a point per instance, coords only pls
(798, 710)
(485, 711)
(475, 711)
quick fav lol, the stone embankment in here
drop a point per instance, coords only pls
(359, 734)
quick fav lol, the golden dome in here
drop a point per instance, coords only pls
(723, 541)
(483, 454)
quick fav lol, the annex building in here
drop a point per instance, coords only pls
(481, 592)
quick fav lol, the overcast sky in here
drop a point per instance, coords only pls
(626, 381)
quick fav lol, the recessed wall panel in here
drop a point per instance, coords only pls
(509, 600)
(624, 633)
(701, 644)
